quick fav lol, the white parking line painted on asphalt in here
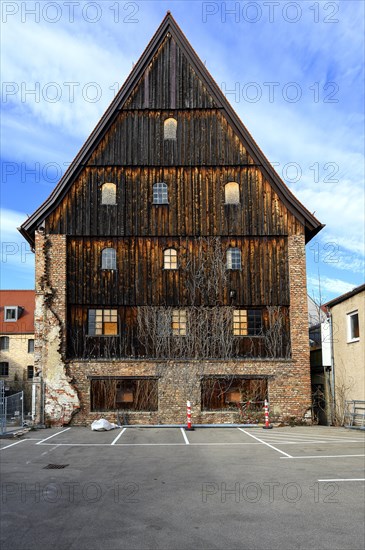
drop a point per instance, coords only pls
(185, 436)
(264, 443)
(148, 444)
(323, 456)
(118, 436)
(349, 479)
(12, 444)
(54, 435)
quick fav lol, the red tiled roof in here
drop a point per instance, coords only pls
(21, 298)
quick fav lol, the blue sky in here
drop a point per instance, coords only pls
(293, 71)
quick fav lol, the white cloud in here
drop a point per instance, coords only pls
(17, 260)
(335, 287)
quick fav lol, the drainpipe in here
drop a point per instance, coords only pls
(332, 375)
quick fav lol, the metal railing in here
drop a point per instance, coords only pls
(11, 411)
(354, 416)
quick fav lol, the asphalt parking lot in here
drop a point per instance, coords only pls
(164, 488)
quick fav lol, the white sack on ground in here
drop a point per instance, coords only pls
(102, 425)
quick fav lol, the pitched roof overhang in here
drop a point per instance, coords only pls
(169, 25)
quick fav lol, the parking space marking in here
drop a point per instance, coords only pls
(12, 444)
(324, 456)
(264, 443)
(118, 436)
(185, 436)
(349, 479)
(54, 435)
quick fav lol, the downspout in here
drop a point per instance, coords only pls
(333, 386)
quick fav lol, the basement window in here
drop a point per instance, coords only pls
(108, 193)
(179, 322)
(353, 329)
(232, 193)
(233, 258)
(170, 258)
(160, 194)
(247, 395)
(103, 322)
(131, 394)
(4, 369)
(109, 258)
(170, 128)
(4, 343)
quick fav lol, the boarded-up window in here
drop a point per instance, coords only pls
(108, 258)
(160, 195)
(232, 193)
(230, 392)
(133, 394)
(169, 128)
(108, 193)
(240, 322)
(103, 322)
(179, 322)
(170, 258)
(233, 258)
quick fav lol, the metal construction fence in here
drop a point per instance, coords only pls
(11, 411)
(355, 414)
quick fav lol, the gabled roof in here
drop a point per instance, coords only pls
(345, 296)
(169, 25)
(24, 299)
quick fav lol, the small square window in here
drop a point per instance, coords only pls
(11, 314)
(103, 322)
(353, 329)
(179, 322)
(30, 346)
(4, 369)
(160, 194)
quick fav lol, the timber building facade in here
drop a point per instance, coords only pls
(170, 261)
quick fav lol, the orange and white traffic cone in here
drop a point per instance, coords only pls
(188, 417)
(267, 424)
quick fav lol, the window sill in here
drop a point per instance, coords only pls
(353, 340)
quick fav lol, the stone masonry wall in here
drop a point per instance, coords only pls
(60, 396)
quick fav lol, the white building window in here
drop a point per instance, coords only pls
(11, 313)
(160, 195)
(232, 193)
(233, 258)
(109, 258)
(353, 329)
(108, 193)
(170, 258)
(170, 128)
(30, 346)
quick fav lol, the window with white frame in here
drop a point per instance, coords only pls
(170, 258)
(11, 314)
(232, 193)
(108, 193)
(170, 128)
(160, 194)
(353, 329)
(108, 258)
(103, 322)
(4, 343)
(233, 258)
(179, 322)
